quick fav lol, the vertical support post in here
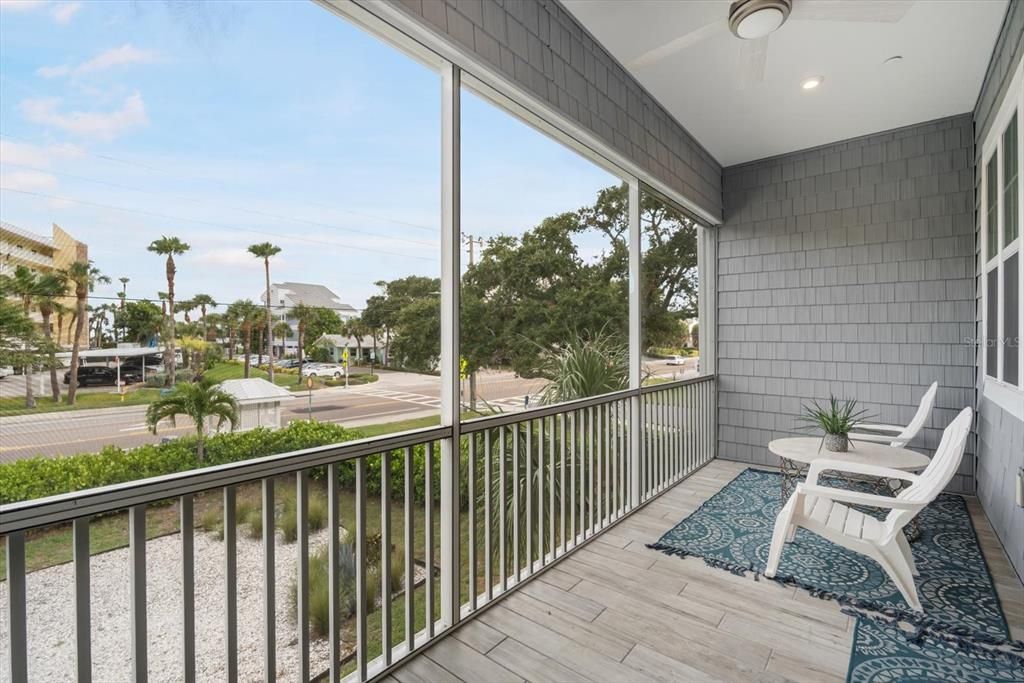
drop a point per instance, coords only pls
(269, 597)
(137, 555)
(230, 586)
(707, 317)
(83, 618)
(188, 589)
(451, 244)
(635, 430)
(334, 571)
(16, 610)
(361, 644)
(302, 571)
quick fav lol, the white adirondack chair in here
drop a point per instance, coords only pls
(826, 511)
(895, 435)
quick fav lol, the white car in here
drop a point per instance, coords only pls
(323, 370)
(676, 360)
(6, 371)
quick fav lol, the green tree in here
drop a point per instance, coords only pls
(406, 300)
(358, 329)
(282, 331)
(248, 315)
(19, 340)
(586, 367)
(49, 288)
(200, 401)
(265, 251)
(84, 276)
(169, 247)
(321, 321)
(140, 320)
(303, 315)
(204, 302)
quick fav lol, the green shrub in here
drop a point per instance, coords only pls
(212, 521)
(316, 516)
(45, 476)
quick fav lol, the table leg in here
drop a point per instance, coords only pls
(791, 475)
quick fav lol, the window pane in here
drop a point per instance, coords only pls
(671, 336)
(991, 204)
(1011, 319)
(1011, 188)
(545, 267)
(992, 323)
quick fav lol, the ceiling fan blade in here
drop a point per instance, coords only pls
(753, 55)
(680, 43)
(877, 11)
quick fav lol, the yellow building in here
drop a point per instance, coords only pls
(41, 254)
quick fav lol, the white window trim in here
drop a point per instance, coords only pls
(1008, 396)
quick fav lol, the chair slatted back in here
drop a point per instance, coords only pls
(936, 476)
(924, 409)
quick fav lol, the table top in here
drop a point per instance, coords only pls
(807, 449)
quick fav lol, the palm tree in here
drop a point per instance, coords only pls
(248, 315)
(185, 307)
(204, 302)
(282, 331)
(84, 276)
(24, 285)
(169, 247)
(358, 329)
(199, 401)
(61, 310)
(48, 288)
(303, 314)
(124, 290)
(585, 367)
(265, 250)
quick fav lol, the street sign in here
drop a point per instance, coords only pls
(309, 382)
(344, 357)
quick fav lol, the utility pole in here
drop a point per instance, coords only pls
(471, 243)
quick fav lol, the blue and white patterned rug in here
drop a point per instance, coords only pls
(963, 635)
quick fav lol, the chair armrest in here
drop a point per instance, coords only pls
(877, 438)
(880, 428)
(818, 466)
(857, 498)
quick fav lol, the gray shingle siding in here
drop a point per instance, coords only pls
(539, 46)
(1000, 436)
(848, 270)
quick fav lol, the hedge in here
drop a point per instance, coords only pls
(42, 476)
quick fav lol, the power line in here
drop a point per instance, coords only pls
(157, 301)
(139, 164)
(214, 224)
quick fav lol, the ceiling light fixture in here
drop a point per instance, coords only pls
(812, 82)
(752, 19)
(895, 59)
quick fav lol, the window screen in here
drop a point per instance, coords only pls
(1011, 319)
(991, 326)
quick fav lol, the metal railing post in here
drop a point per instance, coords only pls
(451, 245)
(635, 426)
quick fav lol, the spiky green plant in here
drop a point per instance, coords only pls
(838, 417)
(585, 367)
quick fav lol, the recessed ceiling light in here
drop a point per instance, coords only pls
(812, 82)
(895, 59)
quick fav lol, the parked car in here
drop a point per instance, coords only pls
(323, 370)
(287, 363)
(5, 371)
(98, 375)
(676, 360)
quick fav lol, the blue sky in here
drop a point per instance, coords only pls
(234, 123)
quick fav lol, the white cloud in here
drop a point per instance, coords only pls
(20, 5)
(115, 56)
(27, 181)
(24, 154)
(63, 12)
(100, 125)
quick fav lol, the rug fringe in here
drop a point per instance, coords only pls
(975, 642)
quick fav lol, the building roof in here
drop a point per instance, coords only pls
(255, 390)
(313, 295)
(26, 234)
(341, 341)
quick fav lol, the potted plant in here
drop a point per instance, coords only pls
(837, 420)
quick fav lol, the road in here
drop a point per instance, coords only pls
(396, 396)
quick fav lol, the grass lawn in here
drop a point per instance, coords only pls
(84, 401)
(292, 382)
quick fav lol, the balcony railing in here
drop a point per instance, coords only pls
(473, 522)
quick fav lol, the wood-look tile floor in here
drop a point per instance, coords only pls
(617, 611)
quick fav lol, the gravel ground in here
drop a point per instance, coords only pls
(51, 614)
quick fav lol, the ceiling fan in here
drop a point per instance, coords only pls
(754, 20)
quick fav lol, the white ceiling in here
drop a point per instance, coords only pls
(945, 46)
